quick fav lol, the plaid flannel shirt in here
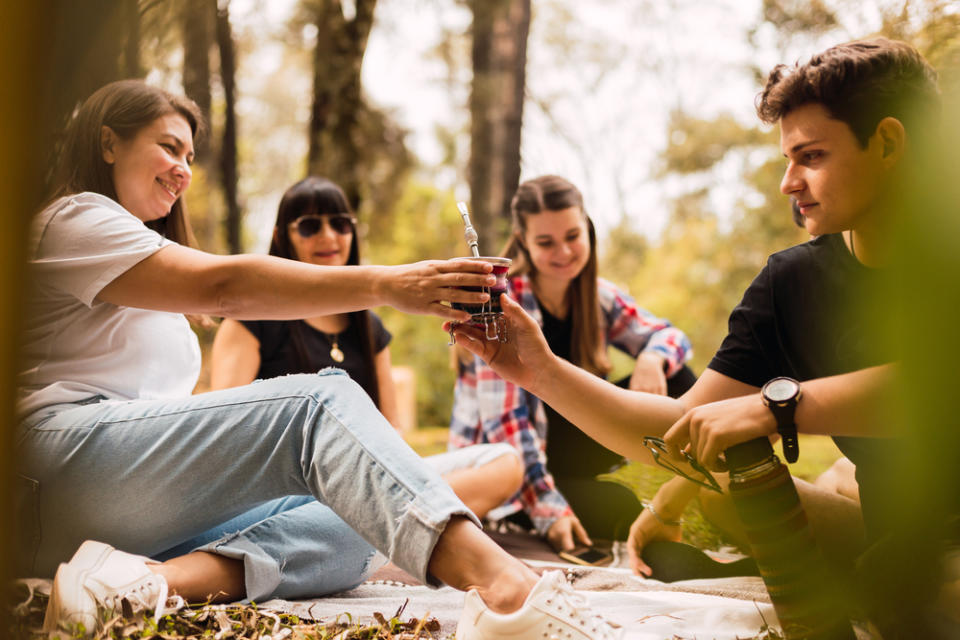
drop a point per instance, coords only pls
(487, 408)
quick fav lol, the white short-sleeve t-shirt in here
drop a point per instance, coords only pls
(75, 346)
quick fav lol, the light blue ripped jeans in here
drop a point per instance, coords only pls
(300, 477)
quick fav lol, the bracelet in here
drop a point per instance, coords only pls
(667, 523)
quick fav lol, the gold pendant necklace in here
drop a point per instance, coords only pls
(335, 351)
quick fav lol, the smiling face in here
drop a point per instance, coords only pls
(836, 182)
(326, 247)
(151, 169)
(558, 243)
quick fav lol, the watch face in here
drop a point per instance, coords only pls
(780, 390)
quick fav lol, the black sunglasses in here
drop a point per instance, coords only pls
(310, 224)
(703, 478)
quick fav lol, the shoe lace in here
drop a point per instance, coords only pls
(148, 594)
(580, 610)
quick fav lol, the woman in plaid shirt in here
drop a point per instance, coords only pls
(554, 277)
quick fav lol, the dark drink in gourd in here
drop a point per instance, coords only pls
(500, 268)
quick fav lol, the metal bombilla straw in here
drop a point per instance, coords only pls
(469, 232)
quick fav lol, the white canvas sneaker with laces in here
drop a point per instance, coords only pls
(552, 611)
(100, 577)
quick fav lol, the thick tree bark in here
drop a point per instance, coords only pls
(334, 149)
(228, 147)
(500, 29)
(131, 47)
(84, 52)
(197, 18)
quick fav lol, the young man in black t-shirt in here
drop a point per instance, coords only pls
(849, 121)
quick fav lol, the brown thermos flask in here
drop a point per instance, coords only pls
(806, 597)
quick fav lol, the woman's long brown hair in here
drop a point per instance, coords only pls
(319, 196)
(126, 106)
(553, 193)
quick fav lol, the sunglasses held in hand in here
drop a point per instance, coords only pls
(310, 224)
(702, 477)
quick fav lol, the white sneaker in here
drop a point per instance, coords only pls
(552, 611)
(99, 576)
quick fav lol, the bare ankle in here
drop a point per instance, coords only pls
(466, 558)
(509, 589)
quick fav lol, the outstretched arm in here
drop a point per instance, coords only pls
(183, 280)
(616, 418)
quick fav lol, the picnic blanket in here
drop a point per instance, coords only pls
(717, 609)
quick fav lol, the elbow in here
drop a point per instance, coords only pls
(225, 296)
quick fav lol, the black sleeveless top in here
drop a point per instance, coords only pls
(278, 356)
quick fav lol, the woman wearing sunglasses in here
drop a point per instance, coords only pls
(315, 225)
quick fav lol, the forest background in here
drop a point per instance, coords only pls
(411, 105)
(415, 104)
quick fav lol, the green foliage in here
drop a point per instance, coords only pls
(694, 144)
(424, 224)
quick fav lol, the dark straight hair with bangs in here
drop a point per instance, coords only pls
(319, 196)
(553, 193)
(126, 107)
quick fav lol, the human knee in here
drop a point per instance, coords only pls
(509, 472)
(840, 478)
(514, 469)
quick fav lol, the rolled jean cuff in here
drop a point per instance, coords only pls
(419, 528)
(263, 574)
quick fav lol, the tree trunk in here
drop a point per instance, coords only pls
(84, 53)
(131, 48)
(228, 147)
(500, 29)
(337, 98)
(197, 19)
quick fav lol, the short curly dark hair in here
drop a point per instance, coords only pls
(859, 83)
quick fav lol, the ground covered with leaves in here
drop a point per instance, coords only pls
(247, 622)
(226, 622)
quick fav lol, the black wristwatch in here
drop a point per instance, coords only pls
(781, 395)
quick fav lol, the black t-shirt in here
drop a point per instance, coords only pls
(278, 355)
(803, 316)
(570, 452)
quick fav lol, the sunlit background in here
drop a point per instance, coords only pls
(647, 105)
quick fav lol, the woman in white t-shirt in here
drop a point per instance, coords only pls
(282, 488)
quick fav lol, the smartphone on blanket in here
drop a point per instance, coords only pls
(587, 556)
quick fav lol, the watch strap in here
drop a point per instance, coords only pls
(791, 447)
(787, 428)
